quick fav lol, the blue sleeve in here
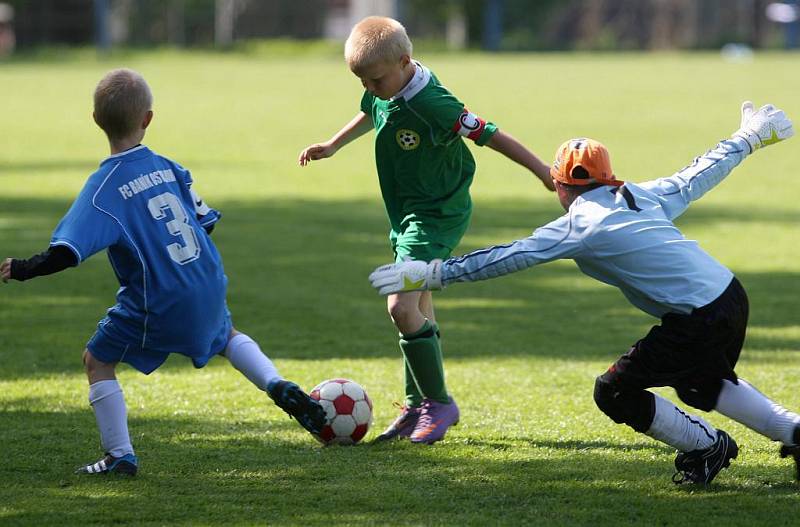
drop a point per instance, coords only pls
(207, 216)
(556, 240)
(86, 229)
(182, 174)
(692, 182)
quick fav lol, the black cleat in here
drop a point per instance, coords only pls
(793, 451)
(126, 465)
(295, 402)
(702, 466)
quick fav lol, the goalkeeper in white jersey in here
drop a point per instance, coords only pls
(623, 234)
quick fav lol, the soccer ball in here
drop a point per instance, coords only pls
(348, 411)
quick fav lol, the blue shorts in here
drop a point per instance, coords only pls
(111, 344)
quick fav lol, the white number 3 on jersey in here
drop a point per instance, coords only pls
(179, 226)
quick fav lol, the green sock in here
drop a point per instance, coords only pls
(413, 395)
(424, 361)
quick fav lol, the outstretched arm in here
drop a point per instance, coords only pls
(677, 191)
(758, 129)
(558, 239)
(358, 126)
(517, 152)
(55, 259)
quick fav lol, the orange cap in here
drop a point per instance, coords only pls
(586, 154)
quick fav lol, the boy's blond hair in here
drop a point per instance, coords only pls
(121, 100)
(374, 40)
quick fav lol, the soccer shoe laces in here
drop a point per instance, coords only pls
(425, 417)
(688, 467)
(702, 466)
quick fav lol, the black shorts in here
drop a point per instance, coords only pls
(692, 353)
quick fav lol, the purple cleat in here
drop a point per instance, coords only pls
(403, 426)
(434, 420)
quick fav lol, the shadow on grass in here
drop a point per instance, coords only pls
(298, 285)
(654, 447)
(206, 472)
(33, 168)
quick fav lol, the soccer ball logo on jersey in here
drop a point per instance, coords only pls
(407, 139)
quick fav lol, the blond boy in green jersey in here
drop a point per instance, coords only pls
(425, 171)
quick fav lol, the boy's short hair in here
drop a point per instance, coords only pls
(121, 100)
(376, 39)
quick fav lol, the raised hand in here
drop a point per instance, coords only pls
(767, 126)
(315, 152)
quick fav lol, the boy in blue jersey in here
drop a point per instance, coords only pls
(623, 234)
(140, 206)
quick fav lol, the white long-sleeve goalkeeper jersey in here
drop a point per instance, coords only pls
(624, 236)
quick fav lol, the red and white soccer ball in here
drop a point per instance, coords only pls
(348, 411)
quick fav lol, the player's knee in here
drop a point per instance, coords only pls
(702, 395)
(633, 408)
(607, 399)
(90, 363)
(400, 312)
(97, 370)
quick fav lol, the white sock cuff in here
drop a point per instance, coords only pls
(237, 341)
(246, 356)
(682, 431)
(742, 402)
(102, 389)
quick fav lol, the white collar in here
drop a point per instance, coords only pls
(591, 196)
(124, 153)
(418, 81)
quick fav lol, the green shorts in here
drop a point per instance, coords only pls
(420, 242)
(424, 252)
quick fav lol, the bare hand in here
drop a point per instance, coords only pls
(315, 152)
(5, 270)
(543, 173)
(548, 183)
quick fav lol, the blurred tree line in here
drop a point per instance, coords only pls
(606, 24)
(492, 24)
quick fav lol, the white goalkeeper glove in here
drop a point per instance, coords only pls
(407, 276)
(764, 127)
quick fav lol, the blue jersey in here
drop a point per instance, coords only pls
(171, 299)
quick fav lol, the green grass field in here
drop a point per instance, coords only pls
(521, 352)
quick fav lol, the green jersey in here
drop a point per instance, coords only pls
(424, 167)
